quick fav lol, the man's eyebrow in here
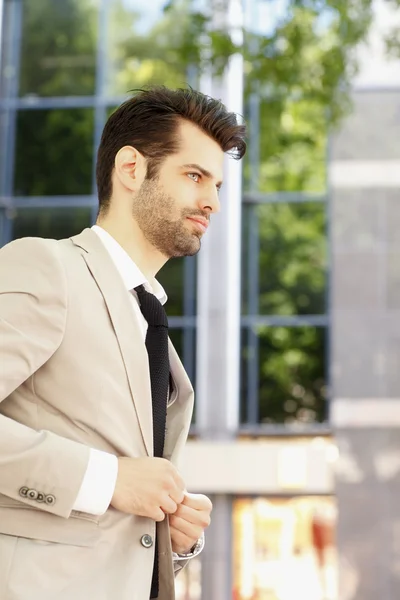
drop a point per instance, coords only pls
(203, 171)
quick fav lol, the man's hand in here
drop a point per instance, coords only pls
(189, 521)
(147, 487)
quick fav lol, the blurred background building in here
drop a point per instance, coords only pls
(288, 320)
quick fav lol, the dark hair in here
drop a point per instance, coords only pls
(149, 121)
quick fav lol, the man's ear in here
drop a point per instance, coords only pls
(130, 168)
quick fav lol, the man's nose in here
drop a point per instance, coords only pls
(210, 202)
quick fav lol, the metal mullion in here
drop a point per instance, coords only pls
(9, 139)
(285, 321)
(1, 27)
(101, 70)
(189, 310)
(328, 293)
(5, 228)
(253, 308)
(252, 370)
(254, 141)
(254, 197)
(52, 201)
(286, 430)
(9, 155)
(42, 103)
(182, 322)
(189, 279)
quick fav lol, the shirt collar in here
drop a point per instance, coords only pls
(128, 270)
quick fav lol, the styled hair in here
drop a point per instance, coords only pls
(149, 122)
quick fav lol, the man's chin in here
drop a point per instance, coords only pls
(187, 250)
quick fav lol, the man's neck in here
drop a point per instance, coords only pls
(130, 238)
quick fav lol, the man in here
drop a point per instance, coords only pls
(95, 405)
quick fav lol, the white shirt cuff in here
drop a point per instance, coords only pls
(98, 484)
(197, 548)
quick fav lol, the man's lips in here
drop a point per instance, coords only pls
(200, 221)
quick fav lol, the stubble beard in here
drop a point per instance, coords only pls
(153, 210)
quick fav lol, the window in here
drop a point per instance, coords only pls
(58, 50)
(284, 337)
(56, 223)
(141, 47)
(54, 152)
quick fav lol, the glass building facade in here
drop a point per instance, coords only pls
(65, 66)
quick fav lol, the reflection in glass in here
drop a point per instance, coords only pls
(2, 226)
(176, 336)
(184, 341)
(142, 46)
(171, 278)
(291, 261)
(285, 549)
(55, 223)
(289, 136)
(58, 53)
(291, 382)
(54, 152)
(178, 277)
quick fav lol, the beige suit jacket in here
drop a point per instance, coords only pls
(74, 375)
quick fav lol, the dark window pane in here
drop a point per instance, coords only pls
(190, 289)
(184, 341)
(289, 275)
(176, 336)
(178, 277)
(143, 46)
(290, 374)
(54, 152)
(171, 278)
(4, 125)
(3, 227)
(7, 49)
(58, 53)
(56, 223)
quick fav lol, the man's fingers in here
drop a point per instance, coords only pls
(157, 515)
(196, 517)
(197, 501)
(168, 505)
(180, 484)
(177, 495)
(185, 528)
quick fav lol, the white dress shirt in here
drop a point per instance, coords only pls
(98, 485)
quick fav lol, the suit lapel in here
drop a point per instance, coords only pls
(126, 327)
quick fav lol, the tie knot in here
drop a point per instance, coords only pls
(152, 309)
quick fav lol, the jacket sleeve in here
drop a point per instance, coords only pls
(33, 309)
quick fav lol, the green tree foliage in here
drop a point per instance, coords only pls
(393, 39)
(298, 78)
(58, 48)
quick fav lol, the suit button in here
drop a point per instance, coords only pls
(146, 541)
(32, 494)
(24, 492)
(50, 499)
(40, 498)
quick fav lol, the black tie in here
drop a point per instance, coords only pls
(157, 350)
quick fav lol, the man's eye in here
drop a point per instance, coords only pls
(194, 176)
